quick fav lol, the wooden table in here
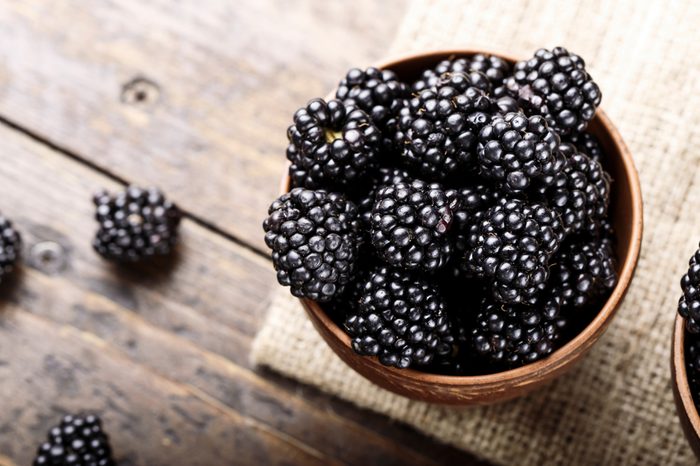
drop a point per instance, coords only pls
(194, 97)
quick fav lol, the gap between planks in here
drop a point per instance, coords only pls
(56, 147)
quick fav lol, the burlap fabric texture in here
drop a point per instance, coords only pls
(616, 407)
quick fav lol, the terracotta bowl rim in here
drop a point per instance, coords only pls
(558, 358)
(680, 375)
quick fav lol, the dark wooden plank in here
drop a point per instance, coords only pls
(61, 368)
(194, 98)
(192, 326)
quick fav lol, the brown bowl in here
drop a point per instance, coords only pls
(687, 412)
(626, 214)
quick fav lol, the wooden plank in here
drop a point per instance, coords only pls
(191, 326)
(61, 369)
(194, 99)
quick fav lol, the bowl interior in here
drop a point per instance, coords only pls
(625, 214)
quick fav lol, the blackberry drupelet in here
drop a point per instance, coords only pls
(580, 193)
(77, 440)
(314, 237)
(582, 271)
(488, 72)
(438, 129)
(135, 224)
(556, 85)
(514, 150)
(588, 144)
(10, 246)
(509, 336)
(379, 93)
(689, 304)
(692, 361)
(410, 224)
(331, 145)
(512, 246)
(401, 319)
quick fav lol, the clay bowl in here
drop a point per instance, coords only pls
(626, 214)
(687, 412)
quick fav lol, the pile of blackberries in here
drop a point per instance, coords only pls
(689, 309)
(457, 223)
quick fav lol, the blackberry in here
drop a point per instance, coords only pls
(385, 177)
(512, 246)
(509, 336)
(514, 149)
(580, 193)
(401, 319)
(314, 237)
(331, 145)
(692, 361)
(77, 440)
(135, 224)
(458, 360)
(582, 271)
(556, 85)
(438, 128)
(689, 304)
(410, 224)
(588, 144)
(10, 246)
(488, 72)
(505, 101)
(474, 200)
(379, 93)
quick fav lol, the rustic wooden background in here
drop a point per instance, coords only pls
(194, 97)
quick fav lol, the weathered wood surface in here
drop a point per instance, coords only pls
(195, 96)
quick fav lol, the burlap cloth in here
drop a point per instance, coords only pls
(616, 407)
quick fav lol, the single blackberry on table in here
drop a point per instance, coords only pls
(410, 223)
(135, 224)
(514, 150)
(556, 85)
(588, 144)
(509, 336)
(438, 129)
(692, 361)
(10, 246)
(689, 304)
(582, 271)
(331, 145)
(314, 237)
(379, 93)
(401, 319)
(488, 72)
(580, 193)
(77, 440)
(512, 246)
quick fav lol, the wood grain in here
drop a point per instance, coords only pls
(194, 99)
(61, 363)
(187, 326)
